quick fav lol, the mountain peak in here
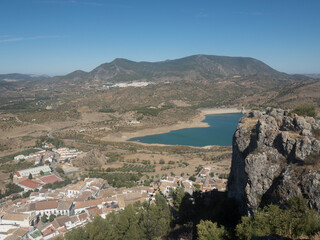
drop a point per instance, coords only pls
(192, 68)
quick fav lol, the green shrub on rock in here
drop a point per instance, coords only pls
(305, 110)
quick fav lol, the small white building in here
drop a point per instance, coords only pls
(76, 189)
(19, 157)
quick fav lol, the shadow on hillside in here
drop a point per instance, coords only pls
(213, 205)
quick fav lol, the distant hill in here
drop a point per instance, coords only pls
(17, 77)
(313, 75)
(192, 68)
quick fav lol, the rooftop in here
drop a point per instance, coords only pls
(44, 168)
(84, 196)
(51, 179)
(64, 205)
(15, 216)
(60, 221)
(78, 186)
(51, 204)
(83, 216)
(86, 204)
(30, 184)
(17, 234)
(48, 231)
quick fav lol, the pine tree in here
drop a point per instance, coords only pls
(209, 230)
(155, 220)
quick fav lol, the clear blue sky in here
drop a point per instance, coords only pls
(59, 36)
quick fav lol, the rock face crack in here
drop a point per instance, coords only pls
(268, 160)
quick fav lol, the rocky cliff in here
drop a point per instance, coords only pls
(274, 159)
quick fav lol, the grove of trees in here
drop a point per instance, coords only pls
(137, 221)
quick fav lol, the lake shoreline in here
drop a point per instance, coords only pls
(196, 122)
(212, 111)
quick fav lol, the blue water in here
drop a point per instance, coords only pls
(220, 132)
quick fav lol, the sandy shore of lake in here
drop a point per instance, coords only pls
(209, 111)
(193, 123)
(124, 136)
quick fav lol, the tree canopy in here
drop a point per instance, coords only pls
(295, 220)
(138, 221)
(305, 110)
(208, 230)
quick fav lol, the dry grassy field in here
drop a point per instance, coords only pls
(158, 161)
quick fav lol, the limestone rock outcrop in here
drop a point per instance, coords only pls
(270, 157)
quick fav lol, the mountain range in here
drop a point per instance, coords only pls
(192, 68)
(196, 67)
(198, 80)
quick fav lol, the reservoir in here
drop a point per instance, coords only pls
(220, 132)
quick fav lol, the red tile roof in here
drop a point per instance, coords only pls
(204, 171)
(63, 229)
(51, 179)
(94, 211)
(86, 204)
(48, 231)
(30, 184)
(51, 204)
(83, 216)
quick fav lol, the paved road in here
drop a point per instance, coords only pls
(54, 164)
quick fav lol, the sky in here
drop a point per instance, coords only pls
(56, 37)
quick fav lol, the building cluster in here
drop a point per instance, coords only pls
(65, 208)
(44, 156)
(203, 182)
(132, 84)
(35, 178)
(66, 153)
(169, 183)
(47, 213)
(38, 157)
